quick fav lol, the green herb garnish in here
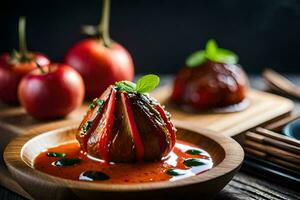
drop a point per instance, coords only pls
(175, 172)
(147, 83)
(127, 86)
(86, 126)
(196, 59)
(143, 85)
(212, 52)
(93, 176)
(66, 162)
(168, 114)
(192, 162)
(55, 154)
(225, 56)
(96, 102)
(193, 152)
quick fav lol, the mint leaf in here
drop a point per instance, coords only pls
(195, 59)
(144, 84)
(147, 83)
(226, 56)
(212, 52)
(211, 48)
(127, 86)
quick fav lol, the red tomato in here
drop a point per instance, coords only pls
(53, 93)
(100, 66)
(11, 72)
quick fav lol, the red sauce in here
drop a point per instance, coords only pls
(121, 173)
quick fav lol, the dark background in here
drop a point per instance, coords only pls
(161, 33)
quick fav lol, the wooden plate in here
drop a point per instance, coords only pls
(20, 153)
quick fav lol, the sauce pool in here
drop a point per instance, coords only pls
(67, 161)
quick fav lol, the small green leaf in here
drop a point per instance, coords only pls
(193, 162)
(55, 154)
(212, 52)
(168, 114)
(175, 172)
(193, 152)
(147, 83)
(66, 162)
(196, 59)
(211, 48)
(127, 86)
(86, 126)
(226, 56)
(96, 102)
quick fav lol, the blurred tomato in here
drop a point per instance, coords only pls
(52, 91)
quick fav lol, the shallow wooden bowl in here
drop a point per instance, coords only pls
(20, 153)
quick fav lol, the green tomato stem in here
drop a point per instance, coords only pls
(22, 37)
(41, 68)
(104, 23)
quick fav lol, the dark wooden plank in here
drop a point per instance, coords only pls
(8, 195)
(245, 186)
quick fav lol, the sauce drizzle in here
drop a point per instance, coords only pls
(184, 161)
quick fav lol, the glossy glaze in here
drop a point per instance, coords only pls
(126, 127)
(210, 85)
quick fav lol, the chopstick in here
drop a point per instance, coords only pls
(269, 145)
(273, 142)
(280, 83)
(276, 152)
(274, 135)
(265, 156)
(278, 125)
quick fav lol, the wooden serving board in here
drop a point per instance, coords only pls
(264, 107)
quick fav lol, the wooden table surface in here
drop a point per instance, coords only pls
(243, 186)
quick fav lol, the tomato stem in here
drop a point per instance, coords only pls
(22, 37)
(104, 23)
(41, 68)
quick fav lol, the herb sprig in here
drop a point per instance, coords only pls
(143, 85)
(211, 52)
